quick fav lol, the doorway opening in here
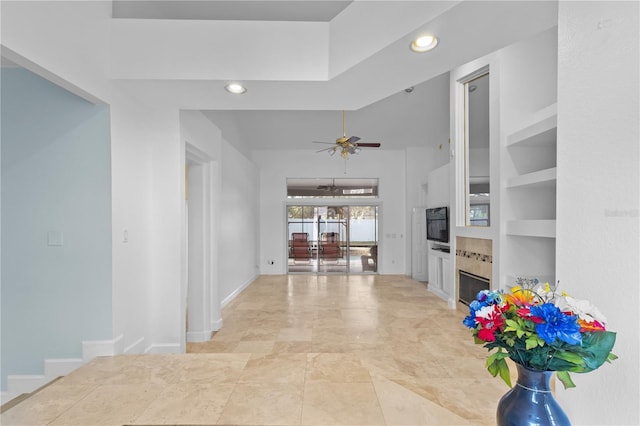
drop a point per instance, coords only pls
(202, 312)
(326, 239)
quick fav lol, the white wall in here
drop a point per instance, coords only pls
(439, 187)
(146, 280)
(387, 165)
(63, 41)
(68, 44)
(202, 141)
(523, 80)
(55, 183)
(419, 163)
(239, 223)
(459, 165)
(598, 194)
(535, 62)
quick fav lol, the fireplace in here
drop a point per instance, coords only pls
(474, 268)
(469, 286)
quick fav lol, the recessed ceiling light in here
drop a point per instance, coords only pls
(424, 43)
(235, 88)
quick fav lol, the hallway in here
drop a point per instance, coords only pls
(294, 350)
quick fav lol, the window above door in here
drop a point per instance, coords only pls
(332, 188)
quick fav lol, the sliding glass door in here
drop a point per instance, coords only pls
(332, 239)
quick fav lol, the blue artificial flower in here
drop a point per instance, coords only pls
(488, 297)
(483, 298)
(475, 305)
(556, 325)
(470, 320)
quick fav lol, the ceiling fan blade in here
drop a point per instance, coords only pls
(346, 145)
(326, 149)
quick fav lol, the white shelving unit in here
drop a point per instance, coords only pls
(539, 130)
(538, 136)
(529, 218)
(532, 228)
(539, 179)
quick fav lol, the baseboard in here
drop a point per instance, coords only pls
(166, 348)
(136, 347)
(17, 384)
(236, 292)
(198, 336)
(94, 348)
(54, 368)
(216, 325)
(444, 296)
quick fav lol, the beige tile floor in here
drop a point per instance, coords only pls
(294, 350)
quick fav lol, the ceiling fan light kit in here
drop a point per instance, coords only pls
(346, 145)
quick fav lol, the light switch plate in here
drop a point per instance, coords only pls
(55, 238)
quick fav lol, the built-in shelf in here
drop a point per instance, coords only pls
(537, 179)
(440, 252)
(530, 180)
(532, 228)
(539, 130)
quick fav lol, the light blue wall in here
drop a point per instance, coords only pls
(56, 180)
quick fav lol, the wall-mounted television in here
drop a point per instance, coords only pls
(438, 224)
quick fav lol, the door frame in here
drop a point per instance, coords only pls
(201, 294)
(330, 202)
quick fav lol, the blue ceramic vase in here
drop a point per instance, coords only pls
(530, 402)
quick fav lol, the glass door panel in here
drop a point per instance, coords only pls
(333, 244)
(332, 239)
(363, 239)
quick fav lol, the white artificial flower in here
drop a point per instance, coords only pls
(486, 311)
(544, 292)
(584, 309)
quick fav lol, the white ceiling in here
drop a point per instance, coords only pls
(235, 10)
(369, 66)
(377, 68)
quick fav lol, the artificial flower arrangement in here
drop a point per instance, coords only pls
(541, 329)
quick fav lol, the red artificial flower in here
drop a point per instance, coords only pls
(525, 313)
(489, 325)
(487, 335)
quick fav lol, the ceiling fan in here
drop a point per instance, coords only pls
(329, 188)
(346, 145)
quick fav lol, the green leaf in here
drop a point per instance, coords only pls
(565, 378)
(597, 346)
(571, 357)
(511, 325)
(504, 372)
(496, 364)
(531, 342)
